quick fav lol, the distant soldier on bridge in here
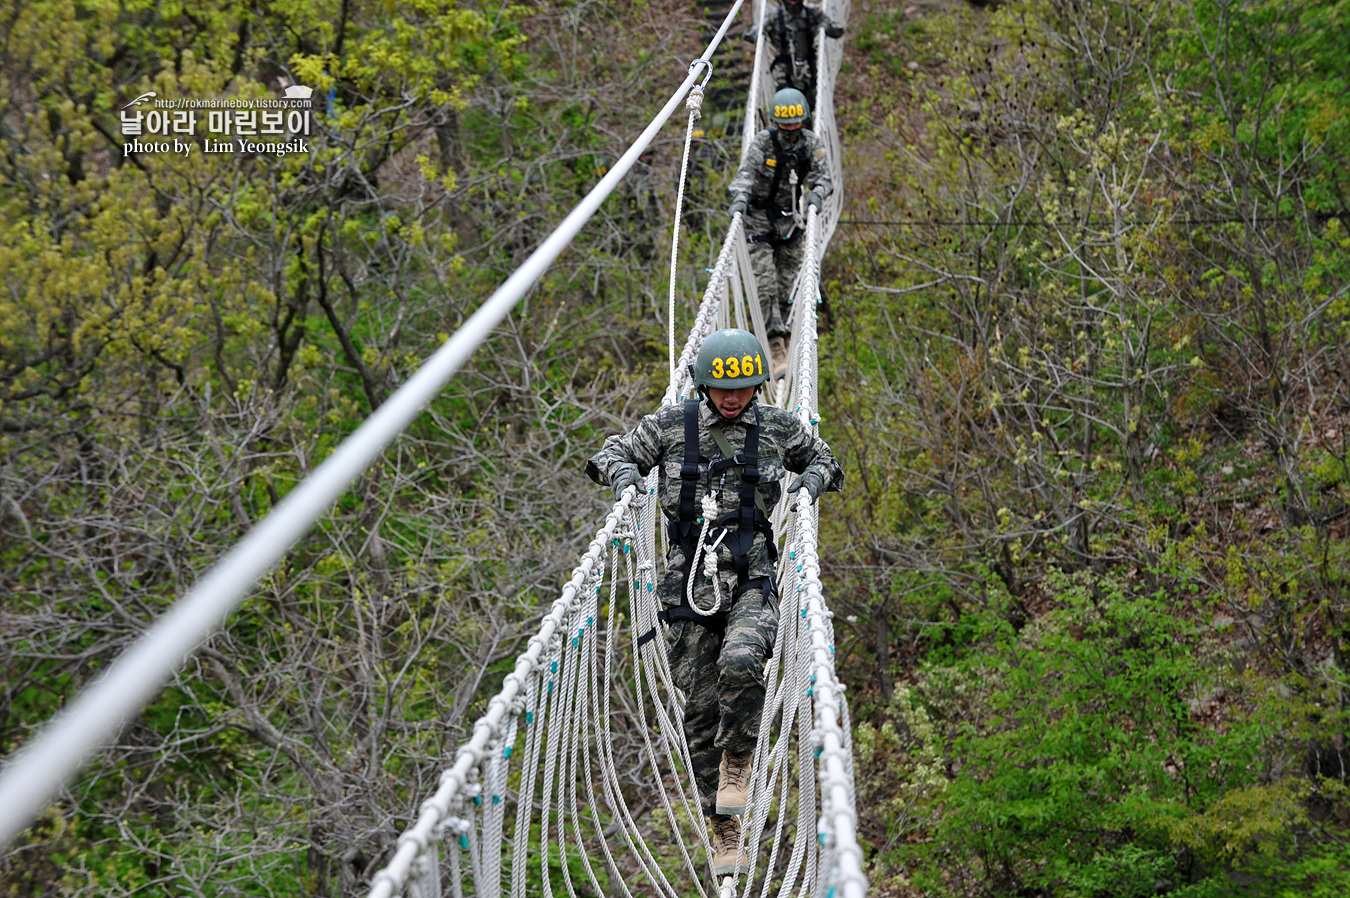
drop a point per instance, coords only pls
(791, 32)
(783, 162)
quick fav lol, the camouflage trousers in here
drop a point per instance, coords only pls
(775, 268)
(722, 677)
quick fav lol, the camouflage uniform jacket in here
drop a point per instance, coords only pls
(754, 180)
(785, 444)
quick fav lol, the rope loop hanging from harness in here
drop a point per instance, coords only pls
(709, 566)
(694, 103)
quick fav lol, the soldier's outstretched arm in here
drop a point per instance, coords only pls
(818, 179)
(823, 20)
(804, 453)
(744, 179)
(643, 447)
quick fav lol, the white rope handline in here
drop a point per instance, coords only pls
(40, 768)
(416, 839)
(841, 854)
(759, 100)
(694, 103)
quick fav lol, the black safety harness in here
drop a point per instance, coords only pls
(741, 523)
(801, 161)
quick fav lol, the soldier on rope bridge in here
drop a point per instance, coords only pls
(783, 161)
(722, 458)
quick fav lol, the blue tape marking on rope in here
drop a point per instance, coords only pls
(793, 555)
(553, 668)
(590, 621)
(574, 642)
(506, 752)
(822, 842)
(818, 751)
(529, 717)
(496, 799)
(478, 799)
(799, 586)
(550, 687)
(810, 690)
(464, 842)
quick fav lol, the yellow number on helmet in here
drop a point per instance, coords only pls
(747, 364)
(717, 368)
(733, 366)
(759, 364)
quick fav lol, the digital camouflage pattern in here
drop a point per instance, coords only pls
(775, 266)
(754, 178)
(792, 35)
(722, 711)
(785, 444)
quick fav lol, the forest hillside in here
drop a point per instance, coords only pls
(1084, 359)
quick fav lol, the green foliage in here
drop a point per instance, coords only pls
(1083, 765)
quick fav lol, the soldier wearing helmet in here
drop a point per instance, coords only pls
(721, 460)
(784, 167)
(791, 31)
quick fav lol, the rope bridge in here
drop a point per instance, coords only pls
(573, 826)
(535, 802)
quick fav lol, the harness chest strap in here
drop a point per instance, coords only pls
(749, 518)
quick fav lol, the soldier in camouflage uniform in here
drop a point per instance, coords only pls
(783, 161)
(791, 31)
(733, 475)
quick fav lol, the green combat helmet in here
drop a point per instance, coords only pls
(789, 107)
(729, 360)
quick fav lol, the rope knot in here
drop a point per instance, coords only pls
(694, 102)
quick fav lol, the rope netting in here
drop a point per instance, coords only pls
(600, 794)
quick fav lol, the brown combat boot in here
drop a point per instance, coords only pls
(778, 356)
(727, 854)
(733, 783)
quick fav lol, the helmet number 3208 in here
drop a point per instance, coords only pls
(791, 109)
(745, 366)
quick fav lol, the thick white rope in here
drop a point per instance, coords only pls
(417, 838)
(694, 103)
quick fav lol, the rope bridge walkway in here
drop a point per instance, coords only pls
(535, 803)
(573, 827)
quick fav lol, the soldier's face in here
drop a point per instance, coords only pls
(731, 403)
